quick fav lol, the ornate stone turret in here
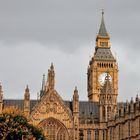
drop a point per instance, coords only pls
(1, 99)
(107, 100)
(75, 101)
(122, 110)
(127, 107)
(42, 91)
(117, 111)
(131, 105)
(51, 78)
(75, 104)
(137, 103)
(27, 101)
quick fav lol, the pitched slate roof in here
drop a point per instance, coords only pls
(102, 30)
(89, 109)
(103, 54)
(18, 103)
(15, 103)
(86, 108)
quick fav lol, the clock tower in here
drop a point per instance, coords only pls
(102, 63)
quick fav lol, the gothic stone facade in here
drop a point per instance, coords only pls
(100, 118)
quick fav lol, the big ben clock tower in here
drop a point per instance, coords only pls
(101, 64)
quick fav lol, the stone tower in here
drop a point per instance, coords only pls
(50, 84)
(107, 101)
(27, 102)
(1, 99)
(102, 62)
(75, 104)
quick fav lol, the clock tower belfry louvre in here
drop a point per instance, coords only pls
(101, 63)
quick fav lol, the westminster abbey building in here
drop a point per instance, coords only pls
(102, 117)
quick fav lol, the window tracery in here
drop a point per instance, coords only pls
(55, 130)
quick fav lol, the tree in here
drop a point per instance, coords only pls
(14, 125)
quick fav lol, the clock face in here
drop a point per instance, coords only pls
(101, 78)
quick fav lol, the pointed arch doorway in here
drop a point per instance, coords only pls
(54, 129)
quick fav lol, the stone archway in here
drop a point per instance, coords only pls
(54, 129)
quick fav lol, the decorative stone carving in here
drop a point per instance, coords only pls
(51, 104)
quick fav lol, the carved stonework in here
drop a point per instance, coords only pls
(36, 116)
(51, 105)
(42, 109)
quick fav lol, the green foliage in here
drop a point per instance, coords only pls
(16, 127)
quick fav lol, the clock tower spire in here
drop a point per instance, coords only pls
(101, 63)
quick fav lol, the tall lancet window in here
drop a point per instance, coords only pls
(88, 134)
(103, 131)
(139, 125)
(96, 134)
(110, 133)
(129, 129)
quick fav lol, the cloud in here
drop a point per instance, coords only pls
(35, 33)
(26, 63)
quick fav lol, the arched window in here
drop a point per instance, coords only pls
(61, 135)
(54, 129)
(121, 131)
(51, 131)
(110, 133)
(96, 134)
(139, 125)
(129, 129)
(81, 134)
(103, 112)
(103, 131)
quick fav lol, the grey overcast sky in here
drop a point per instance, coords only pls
(34, 33)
